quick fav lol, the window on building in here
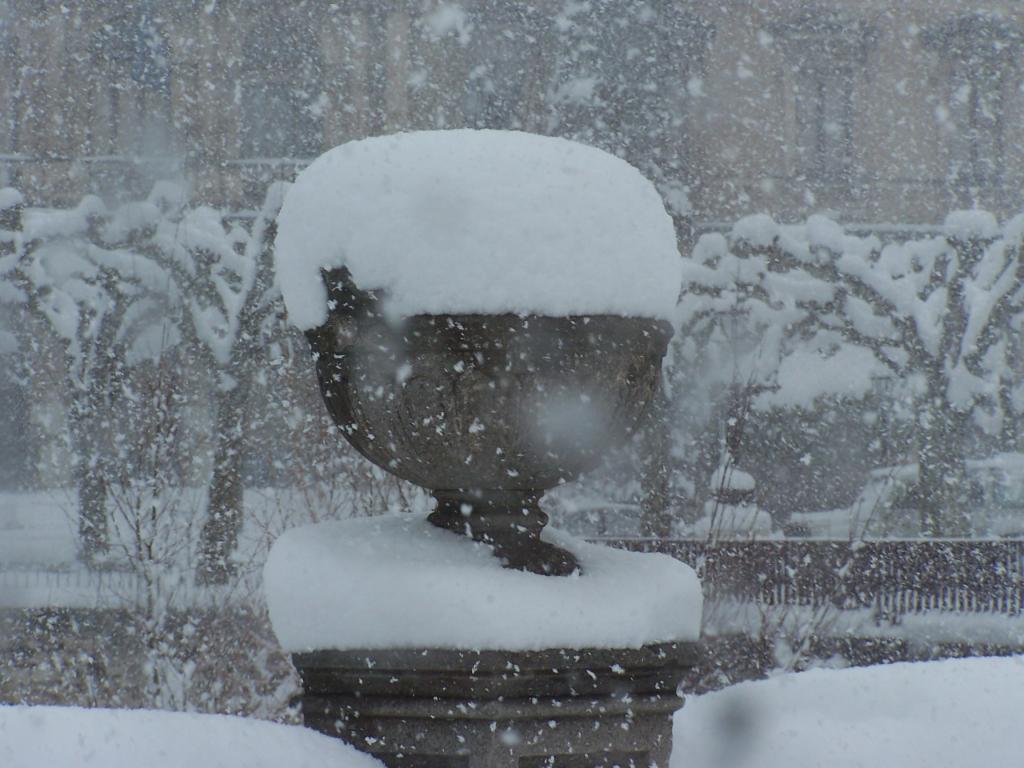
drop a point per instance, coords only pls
(132, 76)
(10, 66)
(823, 58)
(281, 89)
(623, 75)
(980, 55)
(503, 52)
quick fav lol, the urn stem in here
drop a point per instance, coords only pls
(510, 521)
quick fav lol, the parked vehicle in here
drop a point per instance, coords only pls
(887, 506)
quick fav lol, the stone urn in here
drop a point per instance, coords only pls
(486, 411)
(488, 312)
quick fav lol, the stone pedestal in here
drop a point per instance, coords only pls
(431, 708)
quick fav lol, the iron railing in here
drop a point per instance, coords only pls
(894, 577)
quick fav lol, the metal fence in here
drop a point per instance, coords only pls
(893, 577)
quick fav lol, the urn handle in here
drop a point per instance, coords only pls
(346, 306)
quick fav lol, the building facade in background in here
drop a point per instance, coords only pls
(877, 112)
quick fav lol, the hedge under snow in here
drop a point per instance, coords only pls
(467, 221)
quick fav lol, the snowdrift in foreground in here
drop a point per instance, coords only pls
(70, 737)
(940, 714)
(489, 222)
(400, 582)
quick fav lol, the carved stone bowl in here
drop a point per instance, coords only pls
(486, 411)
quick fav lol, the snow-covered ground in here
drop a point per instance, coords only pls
(945, 714)
(37, 529)
(71, 737)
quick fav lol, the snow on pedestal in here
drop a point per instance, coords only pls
(468, 221)
(411, 639)
(399, 582)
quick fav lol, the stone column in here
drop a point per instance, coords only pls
(434, 708)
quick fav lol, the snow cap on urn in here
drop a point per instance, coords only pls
(485, 222)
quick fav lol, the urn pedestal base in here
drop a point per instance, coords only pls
(562, 708)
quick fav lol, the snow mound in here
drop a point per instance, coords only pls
(468, 221)
(10, 197)
(69, 737)
(807, 374)
(732, 478)
(731, 521)
(939, 714)
(759, 229)
(400, 582)
(972, 223)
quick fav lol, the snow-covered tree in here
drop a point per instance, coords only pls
(95, 300)
(938, 313)
(237, 326)
(229, 311)
(116, 287)
(737, 324)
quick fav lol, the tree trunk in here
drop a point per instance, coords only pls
(655, 515)
(943, 486)
(1010, 433)
(219, 535)
(90, 481)
(93, 528)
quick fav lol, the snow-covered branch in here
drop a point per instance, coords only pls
(938, 313)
